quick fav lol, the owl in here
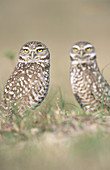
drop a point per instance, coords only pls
(89, 87)
(29, 82)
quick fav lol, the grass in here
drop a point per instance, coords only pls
(54, 136)
(51, 113)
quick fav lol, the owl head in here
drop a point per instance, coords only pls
(34, 52)
(82, 52)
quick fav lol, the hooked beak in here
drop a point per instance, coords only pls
(33, 54)
(81, 53)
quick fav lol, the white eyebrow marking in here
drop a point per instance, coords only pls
(25, 48)
(88, 46)
(43, 48)
(76, 46)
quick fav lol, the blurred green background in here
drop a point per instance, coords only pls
(58, 24)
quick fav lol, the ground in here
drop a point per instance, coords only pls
(54, 136)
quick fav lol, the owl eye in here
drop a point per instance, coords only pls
(75, 49)
(39, 50)
(88, 49)
(26, 50)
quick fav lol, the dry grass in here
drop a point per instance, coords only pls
(54, 136)
(55, 115)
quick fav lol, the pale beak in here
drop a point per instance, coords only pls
(81, 53)
(32, 54)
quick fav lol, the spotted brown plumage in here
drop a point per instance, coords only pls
(88, 84)
(28, 84)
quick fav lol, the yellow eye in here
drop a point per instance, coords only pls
(26, 50)
(88, 49)
(75, 49)
(39, 50)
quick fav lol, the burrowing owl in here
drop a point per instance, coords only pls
(29, 82)
(88, 84)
